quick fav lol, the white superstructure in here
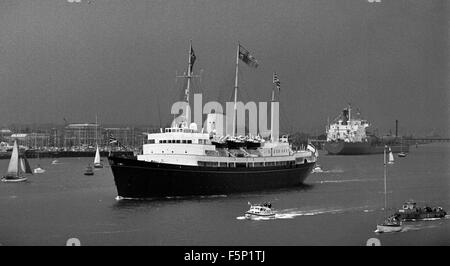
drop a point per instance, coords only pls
(184, 146)
(347, 129)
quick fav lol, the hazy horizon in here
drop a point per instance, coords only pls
(118, 60)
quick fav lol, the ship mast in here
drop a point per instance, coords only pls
(189, 76)
(235, 90)
(349, 112)
(272, 107)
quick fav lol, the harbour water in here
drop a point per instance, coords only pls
(340, 206)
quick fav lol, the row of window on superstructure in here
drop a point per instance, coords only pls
(174, 130)
(247, 164)
(280, 151)
(179, 141)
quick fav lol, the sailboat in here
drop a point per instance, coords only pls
(391, 157)
(18, 165)
(97, 162)
(391, 223)
(402, 153)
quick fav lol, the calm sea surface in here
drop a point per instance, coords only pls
(338, 207)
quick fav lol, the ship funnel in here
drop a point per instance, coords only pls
(193, 126)
(345, 116)
(396, 128)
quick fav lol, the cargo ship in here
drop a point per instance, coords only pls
(347, 136)
(182, 160)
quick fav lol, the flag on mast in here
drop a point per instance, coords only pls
(247, 58)
(276, 81)
(193, 57)
(112, 140)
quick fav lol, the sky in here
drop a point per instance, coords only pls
(118, 59)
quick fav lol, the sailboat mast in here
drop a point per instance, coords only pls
(18, 159)
(96, 129)
(385, 185)
(236, 90)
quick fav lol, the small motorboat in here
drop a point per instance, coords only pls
(260, 210)
(402, 154)
(55, 162)
(317, 169)
(390, 225)
(89, 170)
(38, 170)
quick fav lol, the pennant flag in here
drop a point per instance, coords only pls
(112, 140)
(247, 58)
(193, 57)
(276, 81)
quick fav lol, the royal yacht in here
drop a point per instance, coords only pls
(184, 160)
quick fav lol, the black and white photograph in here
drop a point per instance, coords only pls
(236, 124)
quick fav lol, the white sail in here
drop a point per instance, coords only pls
(391, 157)
(25, 165)
(22, 165)
(97, 157)
(13, 167)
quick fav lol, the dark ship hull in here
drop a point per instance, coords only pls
(359, 148)
(140, 179)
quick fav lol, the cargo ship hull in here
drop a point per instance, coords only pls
(359, 148)
(140, 179)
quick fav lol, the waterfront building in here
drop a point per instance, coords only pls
(32, 140)
(5, 135)
(85, 135)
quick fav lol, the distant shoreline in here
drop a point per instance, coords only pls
(59, 154)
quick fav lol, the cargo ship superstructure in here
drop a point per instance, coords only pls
(347, 135)
(183, 160)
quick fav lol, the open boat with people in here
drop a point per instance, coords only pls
(411, 212)
(390, 225)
